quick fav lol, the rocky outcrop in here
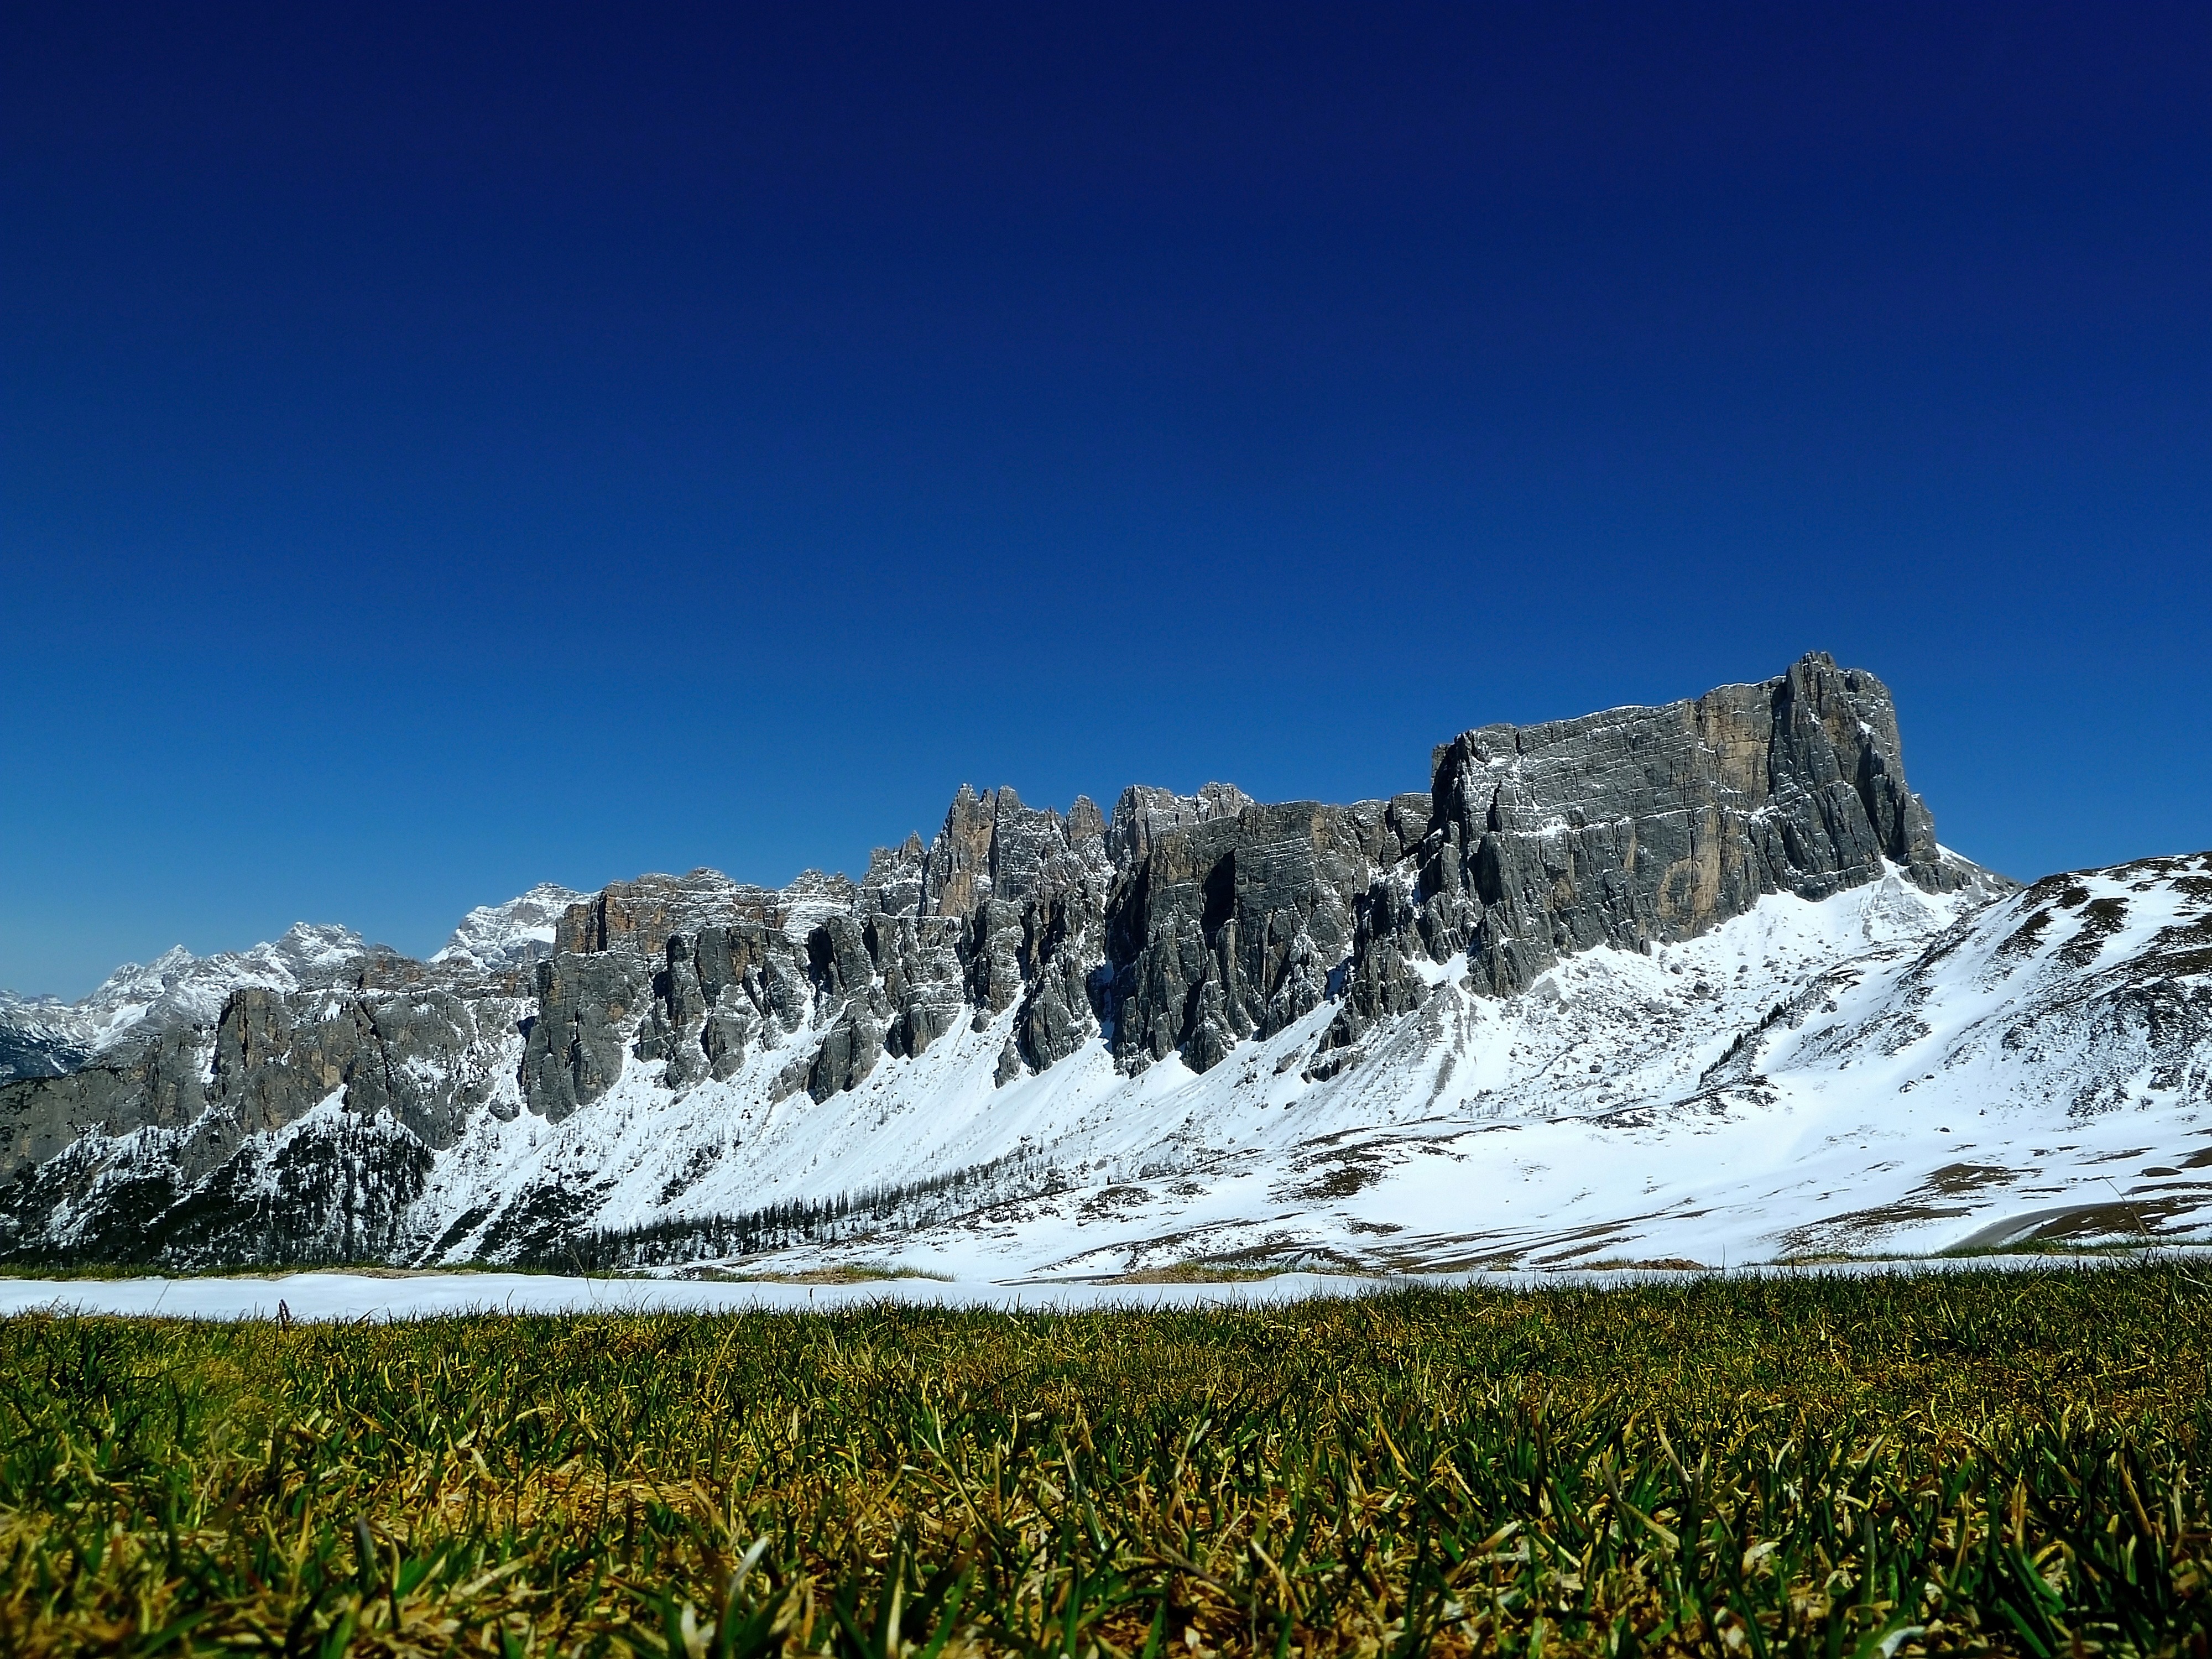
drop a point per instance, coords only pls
(192, 1143)
(924, 980)
(727, 989)
(41, 1037)
(1004, 907)
(1180, 925)
(1225, 926)
(588, 1004)
(427, 1057)
(153, 1080)
(641, 916)
(1144, 813)
(497, 937)
(1010, 902)
(1639, 826)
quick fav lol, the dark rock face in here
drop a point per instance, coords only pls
(586, 1003)
(1143, 814)
(742, 984)
(924, 982)
(172, 1145)
(428, 1047)
(1017, 900)
(153, 1080)
(1182, 924)
(1644, 825)
(1005, 907)
(277, 1056)
(1226, 927)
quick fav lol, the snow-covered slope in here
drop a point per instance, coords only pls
(45, 1036)
(1691, 983)
(54, 1037)
(194, 988)
(496, 936)
(41, 1037)
(1883, 1070)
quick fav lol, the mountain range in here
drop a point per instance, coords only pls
(1675, 985)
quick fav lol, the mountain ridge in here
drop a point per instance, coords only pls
(977, 1010)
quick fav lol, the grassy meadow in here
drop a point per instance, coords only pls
(2008, 1463)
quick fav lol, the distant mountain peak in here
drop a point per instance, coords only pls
(497, 936)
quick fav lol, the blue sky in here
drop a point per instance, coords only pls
(448, 448)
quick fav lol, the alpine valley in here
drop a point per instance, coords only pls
(1691, 984)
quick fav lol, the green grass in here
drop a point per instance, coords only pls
(2008, 1463)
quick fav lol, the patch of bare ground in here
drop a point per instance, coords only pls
(1455, 1253)
(1830, 1233)
(1114, 1203)
(850, 1272)
(2133, 1218)
(1663, 1264)
(1575, 1254)
(1956, 1178)
(2129, 1221)
(1240, 1266)
(1336, 1174)
(1191, 1272)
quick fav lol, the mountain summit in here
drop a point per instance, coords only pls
(1650, 983)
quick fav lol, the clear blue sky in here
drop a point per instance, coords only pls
(447, 448)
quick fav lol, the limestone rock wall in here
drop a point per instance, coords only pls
(1638, 826)
(1176, 926)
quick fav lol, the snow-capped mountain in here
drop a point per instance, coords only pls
(1688, 983)
(498, 936)
(43, 1036)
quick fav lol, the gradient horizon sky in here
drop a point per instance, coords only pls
(447, 448)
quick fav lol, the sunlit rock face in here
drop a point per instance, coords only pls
(1640, 826)
(1011, 995)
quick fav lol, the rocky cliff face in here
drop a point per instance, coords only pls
(1640, 826)
(1178, 927)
